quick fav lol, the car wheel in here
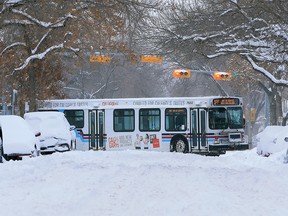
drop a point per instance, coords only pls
(36, 152)
(1, 153)
(73, 145)
(3, 157)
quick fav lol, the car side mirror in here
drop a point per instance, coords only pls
(72, 127)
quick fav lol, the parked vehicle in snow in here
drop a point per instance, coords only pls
(56, 132)
(17, 138)
(272, 139)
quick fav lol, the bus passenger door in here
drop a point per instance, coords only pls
(100, 128)
(198, 129)
(92, 129)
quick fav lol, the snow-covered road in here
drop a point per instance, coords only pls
(144, 183)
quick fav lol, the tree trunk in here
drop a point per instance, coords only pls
(275, 106)
(275, 99)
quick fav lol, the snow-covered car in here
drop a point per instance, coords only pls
(17, 138)
(272, 139)
(56, 132)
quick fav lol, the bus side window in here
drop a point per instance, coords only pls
(75, 117)
(124, 120)
(149, 119)
(180, 122)
(175, 119)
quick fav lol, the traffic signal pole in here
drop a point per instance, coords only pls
(249, 123)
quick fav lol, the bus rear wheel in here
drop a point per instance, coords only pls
(179, 145)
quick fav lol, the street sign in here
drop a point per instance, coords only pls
(100, 58)
(253, 115)
(252, 112)
(151, 59)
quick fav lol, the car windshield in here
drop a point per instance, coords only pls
(222, 118)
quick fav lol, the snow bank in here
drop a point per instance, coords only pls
(272, 140)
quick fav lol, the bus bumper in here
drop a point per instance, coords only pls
(229, 147)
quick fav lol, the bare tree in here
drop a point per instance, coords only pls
(36, 34)
(81, 27)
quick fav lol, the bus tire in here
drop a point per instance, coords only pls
(179, 145)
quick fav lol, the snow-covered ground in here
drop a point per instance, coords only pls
(145, 183)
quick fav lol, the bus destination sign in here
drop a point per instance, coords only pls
(226, 101)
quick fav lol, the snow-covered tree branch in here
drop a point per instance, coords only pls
(253, 31)
(56, 24)
(39, 56)
(11, 46)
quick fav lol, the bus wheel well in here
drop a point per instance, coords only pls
(179, 143)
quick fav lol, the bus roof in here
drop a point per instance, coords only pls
(129, 102)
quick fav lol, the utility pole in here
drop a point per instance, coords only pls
(249, 125)
(14, 101)
(3, 111)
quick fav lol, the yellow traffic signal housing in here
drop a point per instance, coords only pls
(222, 75)
(181, 73)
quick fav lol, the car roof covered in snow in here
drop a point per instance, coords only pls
(17, 135)
(50, 124)
(43, 115)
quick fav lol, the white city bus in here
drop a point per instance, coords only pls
(203, 125)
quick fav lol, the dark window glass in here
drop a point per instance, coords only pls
(124, 120)
(75, 117)
(149, 120)
(176, 119)
(218, 118)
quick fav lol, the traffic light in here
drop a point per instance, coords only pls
(181, 73)
(222, 75)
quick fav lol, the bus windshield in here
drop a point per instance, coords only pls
(235, 117)
(222, 118)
